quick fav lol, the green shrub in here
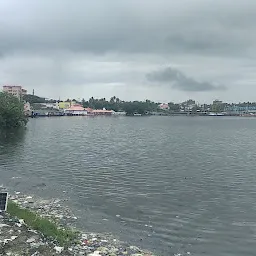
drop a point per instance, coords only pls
(43, 225)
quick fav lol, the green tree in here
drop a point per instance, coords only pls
(33, 99)
(112, 99)
(83, 101)
(11, 112)
(217, 107)
(194, 109)
(91, 102)
(174, 107)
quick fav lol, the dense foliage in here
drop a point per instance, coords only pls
(143, 107)
(33, 99)
(11, 111)
(130, 107)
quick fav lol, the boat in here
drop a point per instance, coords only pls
(215, 114)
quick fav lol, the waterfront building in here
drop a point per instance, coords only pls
(51, 105)
(241, 109)
(46, 105)
(164, 106)
(76, 110)
(119, 113)
(64, 104)
(100, 112)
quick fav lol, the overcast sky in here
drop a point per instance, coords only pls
(163, 50)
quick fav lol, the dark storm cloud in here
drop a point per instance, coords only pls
(179, 81)
(163, 26)
(55, 44)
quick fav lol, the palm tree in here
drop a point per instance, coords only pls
(112, 99)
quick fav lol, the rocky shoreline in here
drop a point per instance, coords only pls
(16, 238)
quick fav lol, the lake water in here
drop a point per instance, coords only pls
(174, 185)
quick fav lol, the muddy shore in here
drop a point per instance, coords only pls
(16, 238)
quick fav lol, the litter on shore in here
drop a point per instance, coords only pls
(17, 238)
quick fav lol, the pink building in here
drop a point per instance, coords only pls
(164, 106)
(15, 90)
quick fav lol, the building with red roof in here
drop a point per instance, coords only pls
(76, 110)
(79, 110)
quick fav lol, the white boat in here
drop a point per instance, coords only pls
(215, 114)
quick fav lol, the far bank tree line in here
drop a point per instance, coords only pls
(130, 107)
(116, 104)
(141, 107)
(12, 109)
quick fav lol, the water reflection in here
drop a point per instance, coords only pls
(10, 140)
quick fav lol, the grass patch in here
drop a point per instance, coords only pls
(43, 225)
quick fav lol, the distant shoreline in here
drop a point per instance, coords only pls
(148, 115)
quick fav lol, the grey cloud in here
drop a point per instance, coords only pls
(61, 44)
(164, 26)
(180, 81)
(65, 70)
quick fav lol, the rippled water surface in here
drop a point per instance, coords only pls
(175, 185)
